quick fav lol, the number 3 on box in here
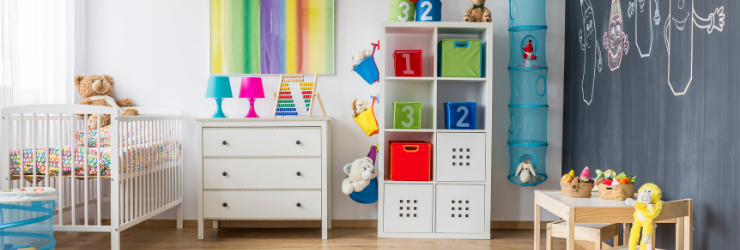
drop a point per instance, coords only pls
(410, 116)
(460, 122)
(406, 8)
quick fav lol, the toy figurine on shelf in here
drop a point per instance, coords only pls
(529, 56)
(478, 13)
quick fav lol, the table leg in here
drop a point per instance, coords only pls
(571, 229)
(548, 239)
(688, 228)
(616, 241)
(536, 226)
(625, 233)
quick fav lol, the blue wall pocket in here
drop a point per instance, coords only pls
(429, 11)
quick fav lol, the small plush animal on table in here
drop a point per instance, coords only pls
(645, 219)
(360, 172)
(97, 90)
(360, 56)
(478, 13)
(359, 106)
(523, 171)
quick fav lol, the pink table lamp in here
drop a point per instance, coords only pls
(251, 88)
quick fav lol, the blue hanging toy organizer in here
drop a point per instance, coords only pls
(369, 195)
(367, 69)
(26, 218)
(528, 75)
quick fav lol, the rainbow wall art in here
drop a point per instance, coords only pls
(272, 36)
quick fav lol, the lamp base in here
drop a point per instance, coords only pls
(219, 113)
(252, 113)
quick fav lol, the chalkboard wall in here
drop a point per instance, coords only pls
(671, 118)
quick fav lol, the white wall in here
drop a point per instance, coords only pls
(158, 53)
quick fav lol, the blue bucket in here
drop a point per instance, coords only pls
(368, 70)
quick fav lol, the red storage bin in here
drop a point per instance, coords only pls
(411, 161)
(407, 62)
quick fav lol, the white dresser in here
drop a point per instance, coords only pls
(264, 169)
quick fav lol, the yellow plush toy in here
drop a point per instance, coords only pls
(644, 219)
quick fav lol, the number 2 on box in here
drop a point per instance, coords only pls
(408, 70)
(406, 8)
(410, 116)
(460, 122)
(425, 16)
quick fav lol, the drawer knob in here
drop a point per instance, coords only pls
(225, 204)
(297, 204)
(298, 173)
(224, 143)
(297, 142)
(224, 174)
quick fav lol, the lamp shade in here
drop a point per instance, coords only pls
(251, 88)
(218, 87)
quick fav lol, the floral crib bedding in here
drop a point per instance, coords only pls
(143, 154)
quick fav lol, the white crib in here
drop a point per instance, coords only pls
(150, 183)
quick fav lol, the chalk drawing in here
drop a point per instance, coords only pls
(678, 35)
(591, 51)
(642, 10)
(615, 40)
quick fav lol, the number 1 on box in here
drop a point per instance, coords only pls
(408, 70)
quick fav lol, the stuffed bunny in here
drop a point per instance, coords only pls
(523, 171)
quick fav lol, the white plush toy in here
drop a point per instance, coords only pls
(359, 106)
(523, 171)
(360, 172)
(358, 57)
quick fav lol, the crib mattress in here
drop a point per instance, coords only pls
(132, 158)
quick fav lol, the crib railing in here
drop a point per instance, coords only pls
(140, 176)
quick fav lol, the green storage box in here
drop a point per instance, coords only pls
(407, 115)
(402, 11)
(460, 58)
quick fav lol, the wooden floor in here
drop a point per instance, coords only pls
(142, 238)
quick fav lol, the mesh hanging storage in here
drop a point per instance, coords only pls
(528, 75)
(26, 218)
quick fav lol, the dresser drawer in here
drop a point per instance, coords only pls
(262, 173)
(262, 141)
(261, 205)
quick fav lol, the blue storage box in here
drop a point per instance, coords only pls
(461, 115)
(429, 11)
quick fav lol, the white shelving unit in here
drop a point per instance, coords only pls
(458, 204)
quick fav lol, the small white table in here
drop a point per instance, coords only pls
(595, 210)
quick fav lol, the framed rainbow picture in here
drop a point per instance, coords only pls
(272, 36)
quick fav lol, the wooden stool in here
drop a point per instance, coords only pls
(591, 232)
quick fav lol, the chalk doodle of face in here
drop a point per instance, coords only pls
(678, 35)
(615, 40)
(591, 51)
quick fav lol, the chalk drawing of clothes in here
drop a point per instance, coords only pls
(591, 51)
(678, 35)
(644, 21)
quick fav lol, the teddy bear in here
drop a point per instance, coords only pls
(361, 172)
(97, 90)
(359, 106)
(358, 57)
(478, 13)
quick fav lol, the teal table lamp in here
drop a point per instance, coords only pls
(219, 87)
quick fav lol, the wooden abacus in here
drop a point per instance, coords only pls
(294, 93)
